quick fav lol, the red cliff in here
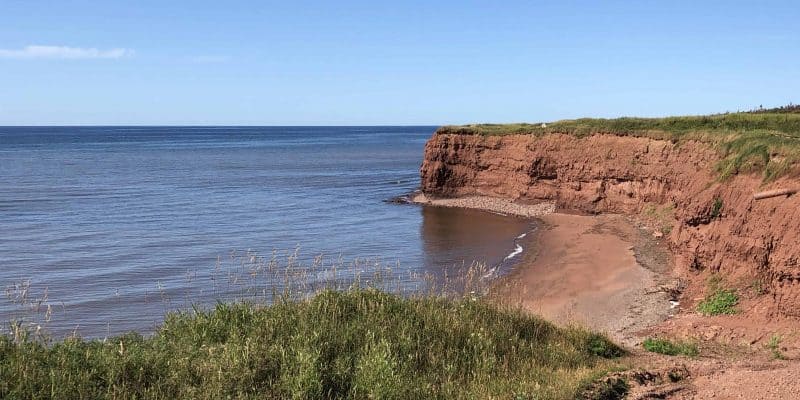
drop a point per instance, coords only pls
(711, 225)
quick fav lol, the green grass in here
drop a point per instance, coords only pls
(665, 346)
(774, 346)
(767, 141)
(719, 302)
(358, 344)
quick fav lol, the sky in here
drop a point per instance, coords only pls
(390, 63)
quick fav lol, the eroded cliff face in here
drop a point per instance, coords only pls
(710, 226)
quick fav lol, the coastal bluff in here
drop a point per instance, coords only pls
(711, 224)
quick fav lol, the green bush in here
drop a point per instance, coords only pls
(719, 302)
(351, 345)
(665, 346)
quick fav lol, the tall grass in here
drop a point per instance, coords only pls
(767, 141)
(354, 344)
(286, 329)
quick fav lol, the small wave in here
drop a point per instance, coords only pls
(490, 273)
(522, 236)
(517, 250)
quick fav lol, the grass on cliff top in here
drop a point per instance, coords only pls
(762, 140)
(357, 344)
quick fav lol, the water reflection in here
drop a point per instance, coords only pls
(455, 238)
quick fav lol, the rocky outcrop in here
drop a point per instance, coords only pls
(711, 225)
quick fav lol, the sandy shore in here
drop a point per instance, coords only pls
(597, 271)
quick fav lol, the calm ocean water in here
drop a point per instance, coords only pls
(111, 226)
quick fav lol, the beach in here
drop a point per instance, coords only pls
(597, 271)
(600, 272)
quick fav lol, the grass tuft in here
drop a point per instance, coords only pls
(667, 347)
(774, 346)
(720, 302)
(716, 208)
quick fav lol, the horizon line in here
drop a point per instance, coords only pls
(215, 126)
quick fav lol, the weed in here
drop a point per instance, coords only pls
(716, 208)
(719, 302)
(774, 346)
(665, 346)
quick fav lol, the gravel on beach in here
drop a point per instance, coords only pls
(502, 206)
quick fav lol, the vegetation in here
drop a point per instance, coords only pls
(774, 346)
(719, 302)
(665, 346)
(716, 208)
(790, 108)
(355, 344)
(763, 140)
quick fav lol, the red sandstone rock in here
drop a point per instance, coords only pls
(746, 241)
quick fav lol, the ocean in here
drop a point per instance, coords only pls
(104, 229)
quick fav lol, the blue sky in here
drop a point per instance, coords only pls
(399, 62)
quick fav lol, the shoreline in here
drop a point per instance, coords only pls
(598, 271)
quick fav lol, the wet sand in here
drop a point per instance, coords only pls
(600, 272)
